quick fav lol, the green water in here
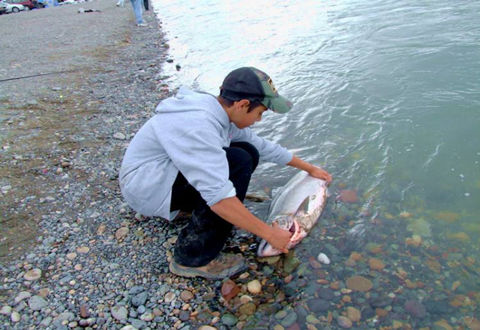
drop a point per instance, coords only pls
(387, 98)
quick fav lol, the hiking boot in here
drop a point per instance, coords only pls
(225, 265)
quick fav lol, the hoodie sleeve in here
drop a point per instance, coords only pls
(199, 155)
(269, 151)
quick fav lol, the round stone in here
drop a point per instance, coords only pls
(119, 136)
(353, 314)
(33, 274)
(169, 297)
(83, 249)
(22, 296)
(186, 295)
(15, 317)
(119, 312)
(344, 322)
(36, 303)
(6, 310)
(248, 309)
(254, 287)
(359, 283)
(229, 320)
(121, 233)
(318, 305)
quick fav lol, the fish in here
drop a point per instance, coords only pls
(296, 208)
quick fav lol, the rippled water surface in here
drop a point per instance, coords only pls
(387, 98)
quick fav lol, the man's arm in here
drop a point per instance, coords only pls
(232, 210)
(313, 170)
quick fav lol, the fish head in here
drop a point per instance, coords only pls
(298, 233)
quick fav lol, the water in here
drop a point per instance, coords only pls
(387, 99)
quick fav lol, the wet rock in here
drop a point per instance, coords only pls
(229, 289)
(348, 196)
(380, 301)
(443, 325)
(359, 283)
(368, 312)
(415, 309)
(415, 240)
(247, 309)
(376, 264)
(289, 320)
(326, 293)
(290, 263)
(353, 314)
(254, 287)
(472, 322)
(344, 322)
(229, 320)
(318, 305)
(438, 307)
(323, 258)
(281, 314)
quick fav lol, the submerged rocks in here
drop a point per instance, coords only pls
(318, 305)
(254, 287)
(415, 309)
(348, 196)
(359, 283)
(229, 290)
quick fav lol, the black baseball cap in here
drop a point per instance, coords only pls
(254, 85)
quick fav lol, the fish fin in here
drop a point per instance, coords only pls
(303, 208)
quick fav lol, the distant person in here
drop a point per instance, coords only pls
(137, 9)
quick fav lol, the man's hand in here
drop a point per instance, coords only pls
(320, 173)
(279, 238)
(313, 170)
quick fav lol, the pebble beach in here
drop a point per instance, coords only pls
(74, 89)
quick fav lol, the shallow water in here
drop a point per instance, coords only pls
(387, 98)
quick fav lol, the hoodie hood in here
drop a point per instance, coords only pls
(187, 100)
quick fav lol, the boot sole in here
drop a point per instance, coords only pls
(191, 272)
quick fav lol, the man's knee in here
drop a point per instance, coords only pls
(243, 153)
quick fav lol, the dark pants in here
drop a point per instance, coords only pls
(206, 233)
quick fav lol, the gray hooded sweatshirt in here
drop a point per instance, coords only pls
(187, 134)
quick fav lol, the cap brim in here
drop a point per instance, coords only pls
(278, 104)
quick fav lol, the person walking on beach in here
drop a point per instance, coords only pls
(138, 11)
(197, 154)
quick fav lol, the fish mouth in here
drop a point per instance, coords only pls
(266, 250)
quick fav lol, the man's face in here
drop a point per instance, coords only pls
(243, 118)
